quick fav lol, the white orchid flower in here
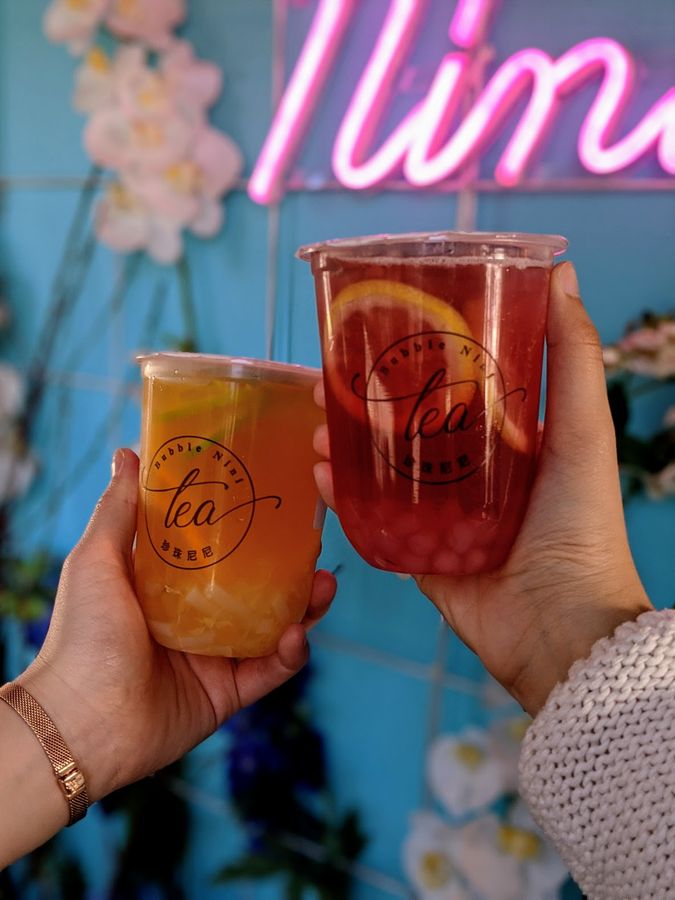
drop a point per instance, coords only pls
(11, 392)
(505, 739)
(463, 772)
(661, 484)
(125, 223)
(660, 364)
(187, 191)
(492, 871)
(195, 83)
(428, 859)
(17, 469)
(140, 145)
(94, 82)
(542, 870)
(646, 338)
(73, 22)
(149, 21)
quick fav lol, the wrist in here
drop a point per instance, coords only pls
(80, 724)
(32, 806)
(562, 644)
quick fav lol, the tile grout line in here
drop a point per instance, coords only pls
(582, 184)
(400, 664)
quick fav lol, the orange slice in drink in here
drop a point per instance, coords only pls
(384, 339)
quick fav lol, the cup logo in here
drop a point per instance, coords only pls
(436, 404)
(199, 502)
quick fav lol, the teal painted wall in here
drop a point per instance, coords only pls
(373, 695)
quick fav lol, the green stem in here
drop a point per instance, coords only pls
(66, 289)
(189, 342)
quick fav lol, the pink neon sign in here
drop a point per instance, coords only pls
(419, 145)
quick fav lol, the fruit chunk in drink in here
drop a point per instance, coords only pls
(228, 534)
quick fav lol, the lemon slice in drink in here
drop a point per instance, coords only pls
(384, 338)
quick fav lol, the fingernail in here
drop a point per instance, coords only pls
(569, 280)
(117, 462)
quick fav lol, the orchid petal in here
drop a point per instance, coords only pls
(73, 24)
(151, 21)
(220, 160)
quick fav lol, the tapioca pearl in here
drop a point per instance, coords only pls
(460, 537)
(475, 561)
(405, 524)
(387, 543)
(450, 512)
(413, 564)
(445, 562)
(423, 543)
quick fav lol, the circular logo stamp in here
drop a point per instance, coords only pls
(199, 502)
(435, 404)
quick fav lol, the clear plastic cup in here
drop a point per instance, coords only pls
(432, 354)
(228, 524)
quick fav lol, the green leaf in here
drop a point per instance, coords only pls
(249, 866)
(353, 838)
(295, 887)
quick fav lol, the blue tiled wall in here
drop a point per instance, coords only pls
(374, 710)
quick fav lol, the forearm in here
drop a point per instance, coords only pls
(32, 805)
(597, 764)
(33, 802)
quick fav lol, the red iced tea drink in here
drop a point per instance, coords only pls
(432, 352)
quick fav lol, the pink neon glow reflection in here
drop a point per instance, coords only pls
(300, 97)
(416, 143)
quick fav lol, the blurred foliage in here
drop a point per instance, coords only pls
(641, 364)
(278, 782)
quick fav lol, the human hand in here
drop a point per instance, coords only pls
(570, 578)
(125, 705)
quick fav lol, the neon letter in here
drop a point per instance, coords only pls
(300, 96)
(496, 98)
(657, 127)
(416, 143)
(468, 23)
(371, 94)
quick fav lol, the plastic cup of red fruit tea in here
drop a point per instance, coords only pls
(432, 350)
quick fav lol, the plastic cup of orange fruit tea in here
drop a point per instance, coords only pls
(432, 354)
(229, 520)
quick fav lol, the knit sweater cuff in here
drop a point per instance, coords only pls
(597, 766)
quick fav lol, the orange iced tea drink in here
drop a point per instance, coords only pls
(229, 523)
(432, 354)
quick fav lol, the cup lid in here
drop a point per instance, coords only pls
(436, 239)
(176, 364)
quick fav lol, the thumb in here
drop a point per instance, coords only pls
(579, 430)
(114, 519)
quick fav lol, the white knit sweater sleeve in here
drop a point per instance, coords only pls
(597, 766)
